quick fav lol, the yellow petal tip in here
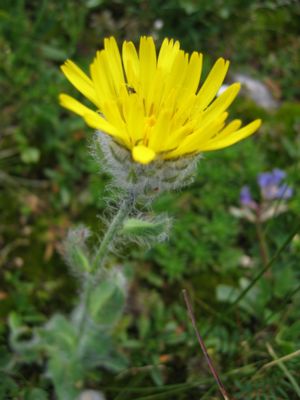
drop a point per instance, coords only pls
(143, 154)
(256, 124)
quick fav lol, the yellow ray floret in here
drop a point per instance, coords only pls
(152, 103)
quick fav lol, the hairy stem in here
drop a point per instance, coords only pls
(113, 228)
(100, 257)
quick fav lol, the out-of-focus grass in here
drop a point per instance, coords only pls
(48, 182)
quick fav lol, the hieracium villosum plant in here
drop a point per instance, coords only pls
(153, 120)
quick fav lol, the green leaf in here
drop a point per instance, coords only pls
(284, 282)
(67, 375)
(53, 53)
(106, 303)
(81, 260)
(94, 3)
(35, 394)
(14, 321)
(229, 294)
(156, 375)
(99, 350)
(59, 335)
(143, 228)
(8, 387)
(76, 251)
(5, 357)
(30, 155)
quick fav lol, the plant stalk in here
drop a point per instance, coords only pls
(264, 252)
(203, 347)
(100, 257)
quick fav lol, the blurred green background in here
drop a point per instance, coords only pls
(49, 182)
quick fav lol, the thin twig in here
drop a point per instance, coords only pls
(203, 347)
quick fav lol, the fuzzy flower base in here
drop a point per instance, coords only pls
(142, 180)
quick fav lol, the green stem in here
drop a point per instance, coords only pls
(100, 256)
(264, 252)
(263, 270)
(117, 221)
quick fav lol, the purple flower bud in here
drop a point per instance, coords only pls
(245, 197)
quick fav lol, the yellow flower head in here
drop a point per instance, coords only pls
(152, 104)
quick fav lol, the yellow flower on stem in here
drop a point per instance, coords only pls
(152, 104)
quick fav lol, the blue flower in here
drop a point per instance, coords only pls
(266, 179)
(271, 189)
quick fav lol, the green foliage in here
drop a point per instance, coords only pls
(147, 231)
(106, 303)
(76, 252)
(71, 349)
